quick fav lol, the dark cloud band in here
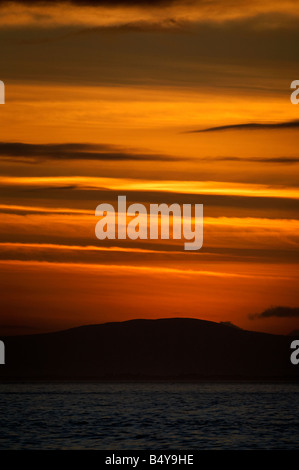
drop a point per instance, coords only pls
(251, 127)
(36, 153)
(278, 160)
(95, 3)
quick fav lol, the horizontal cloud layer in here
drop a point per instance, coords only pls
(278, 160)
(252, 126)
(94, 3)
(35, 153)
(105, 12)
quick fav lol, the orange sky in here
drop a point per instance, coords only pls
(116, 100)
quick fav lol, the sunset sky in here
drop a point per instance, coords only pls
(162, 101)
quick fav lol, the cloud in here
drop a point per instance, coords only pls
(138, 26)
(105, 12)
(95, 3)
(251, 126)
(277, 312)
(66, 195)
(278, 160)
(37, 153)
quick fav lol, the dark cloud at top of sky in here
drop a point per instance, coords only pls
(278, 312)
(251, 126)
(37, 153)
(94, 3)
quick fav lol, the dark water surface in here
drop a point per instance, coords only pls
(149, 416)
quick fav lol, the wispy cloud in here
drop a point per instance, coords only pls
(279, 312)
(253, 126)
(94, 3)
(278, 160)
(105, 12)
(138, 25)
(36, 153)
(148, 185)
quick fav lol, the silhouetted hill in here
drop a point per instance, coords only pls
(175, 348)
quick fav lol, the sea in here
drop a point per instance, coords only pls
(149, 416)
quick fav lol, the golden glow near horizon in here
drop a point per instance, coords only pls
(187, 187)
(109, 101)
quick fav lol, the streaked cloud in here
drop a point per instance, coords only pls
(146, 269)
(252, 126)
(37, 153)
(139, 184)
(61, 234)
(278, 160)
(106, 12)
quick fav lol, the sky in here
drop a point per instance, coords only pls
(164, 102)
